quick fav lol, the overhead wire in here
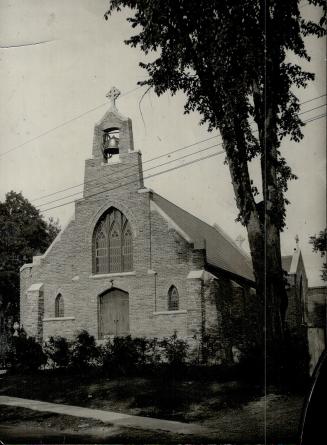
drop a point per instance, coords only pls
(145, 162)
(159, 173)
(128, 176)
(129, 168)
(164, 155)
(62, 124)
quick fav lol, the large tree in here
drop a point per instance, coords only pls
(230, 58)
(23, 233)
(319, 245)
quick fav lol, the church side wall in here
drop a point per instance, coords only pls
(172, 258)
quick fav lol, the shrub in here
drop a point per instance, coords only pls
(211, 350)
(122, 355)
(25, 354)
(174, 350)
(153, 352)
(57, 350)
(84, 351)
(141, 345)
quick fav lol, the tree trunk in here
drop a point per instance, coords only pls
(264, 241)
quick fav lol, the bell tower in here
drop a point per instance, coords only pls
(114, 162)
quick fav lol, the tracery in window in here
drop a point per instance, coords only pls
(112, 244)
(59, 306)
(173, 299)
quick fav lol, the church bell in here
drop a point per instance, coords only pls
(110, 146)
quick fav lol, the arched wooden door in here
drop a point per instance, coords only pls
(113, 313)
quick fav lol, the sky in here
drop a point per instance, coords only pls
(58, 59)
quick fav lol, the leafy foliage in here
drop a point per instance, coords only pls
(319, 244)
(230, 59)
(84, 351)
(211, 349)
(122, 355)
(174, 350)
(57, 350)
(126, 355)
(23, 233)
(25, 354)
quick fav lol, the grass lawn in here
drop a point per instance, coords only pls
(233, 410)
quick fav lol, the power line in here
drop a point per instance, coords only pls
(136, 180)
(84, 114)
(314, 118)
(154, 167)
(128, 168)
(311, 109)
(162, 172)
(62, 125)
(311, 100)
(128, 176)
(164, 155)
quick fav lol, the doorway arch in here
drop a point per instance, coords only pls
(113, 313)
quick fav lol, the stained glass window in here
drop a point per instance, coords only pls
(112, 244)
(101, 252)
(127, 247)
(59, 306)
(173, 299)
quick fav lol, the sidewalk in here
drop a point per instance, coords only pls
(114, 418)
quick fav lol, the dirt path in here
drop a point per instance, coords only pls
(28, 426)
(276, 416)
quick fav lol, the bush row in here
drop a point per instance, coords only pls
(122, 355)
(127, 356)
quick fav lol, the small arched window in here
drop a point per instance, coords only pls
(173, 299)
(112, 244)
(59, 306)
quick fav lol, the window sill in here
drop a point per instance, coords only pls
(109, 275)
(179, 312)
(58, 318)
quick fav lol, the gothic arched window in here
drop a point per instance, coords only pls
(59, 306)
(112, 244)
(173, 299)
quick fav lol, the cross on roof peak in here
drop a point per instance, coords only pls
(112, 95)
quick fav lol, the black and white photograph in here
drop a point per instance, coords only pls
(163, 240)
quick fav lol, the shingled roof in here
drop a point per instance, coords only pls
(221, 251)
(286, 262)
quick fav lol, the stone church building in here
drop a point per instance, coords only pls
(132, 262)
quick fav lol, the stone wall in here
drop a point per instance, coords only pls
(64, 327)
(161, 258)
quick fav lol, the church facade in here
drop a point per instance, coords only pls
(132, 262)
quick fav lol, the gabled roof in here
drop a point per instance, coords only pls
(286, 262)
(221, 252)
(290, 262)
